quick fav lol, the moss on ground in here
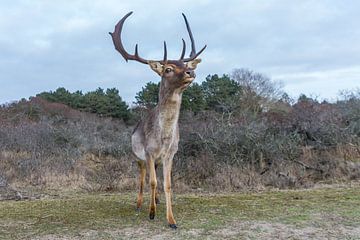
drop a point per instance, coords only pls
(198, 216)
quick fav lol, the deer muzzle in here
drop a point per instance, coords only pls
(190, 74)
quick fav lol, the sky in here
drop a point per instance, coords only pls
(311, 46)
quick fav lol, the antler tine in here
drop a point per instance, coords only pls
(116, 37)
(193, 53)
(196, 55)
(183, 49)
(165, 52)
(136, 51)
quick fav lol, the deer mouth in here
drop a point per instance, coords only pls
(189, 80)
(186, 83)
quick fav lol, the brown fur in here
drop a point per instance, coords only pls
(155, 139)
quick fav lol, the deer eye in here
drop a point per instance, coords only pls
(167, 70)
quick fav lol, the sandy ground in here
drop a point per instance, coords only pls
(236, 230)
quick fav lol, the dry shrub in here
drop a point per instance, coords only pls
(106, 173)
(41, 143)
(284, 148)
(194, 171)
(234, 178)
(348, 152)
(287, 146)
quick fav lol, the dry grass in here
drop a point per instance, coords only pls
(322, 213)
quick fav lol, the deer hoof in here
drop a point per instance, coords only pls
(157, 201)
(152, 216)
(138, 209)
(173, 226)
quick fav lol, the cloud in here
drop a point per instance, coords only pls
(48, 44)
(40, 44)
(325, 84)
(76, 24)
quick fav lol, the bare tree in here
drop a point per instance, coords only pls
(259, 91)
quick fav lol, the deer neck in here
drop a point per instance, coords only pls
(169, 108)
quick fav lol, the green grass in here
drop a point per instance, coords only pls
(113, 216)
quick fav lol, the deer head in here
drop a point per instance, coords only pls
(175, 74)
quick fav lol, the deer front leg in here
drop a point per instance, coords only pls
(153, 185)
(142, 175)
(167, 190)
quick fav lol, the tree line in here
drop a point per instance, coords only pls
(105, 103)
(243, 90)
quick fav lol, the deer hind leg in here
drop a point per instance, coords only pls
(157, 195)
(167, 190)
(142, 175)
(153, 184)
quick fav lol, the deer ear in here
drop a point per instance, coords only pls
(156, 67)
(192, 64)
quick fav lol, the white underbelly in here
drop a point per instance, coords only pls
(137, 147)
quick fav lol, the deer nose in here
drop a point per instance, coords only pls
(190, 73)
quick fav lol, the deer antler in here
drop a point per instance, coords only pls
(193, 53)
(116, 37)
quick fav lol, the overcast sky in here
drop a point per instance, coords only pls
(313, 47)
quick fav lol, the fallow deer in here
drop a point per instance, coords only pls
(155, 139)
